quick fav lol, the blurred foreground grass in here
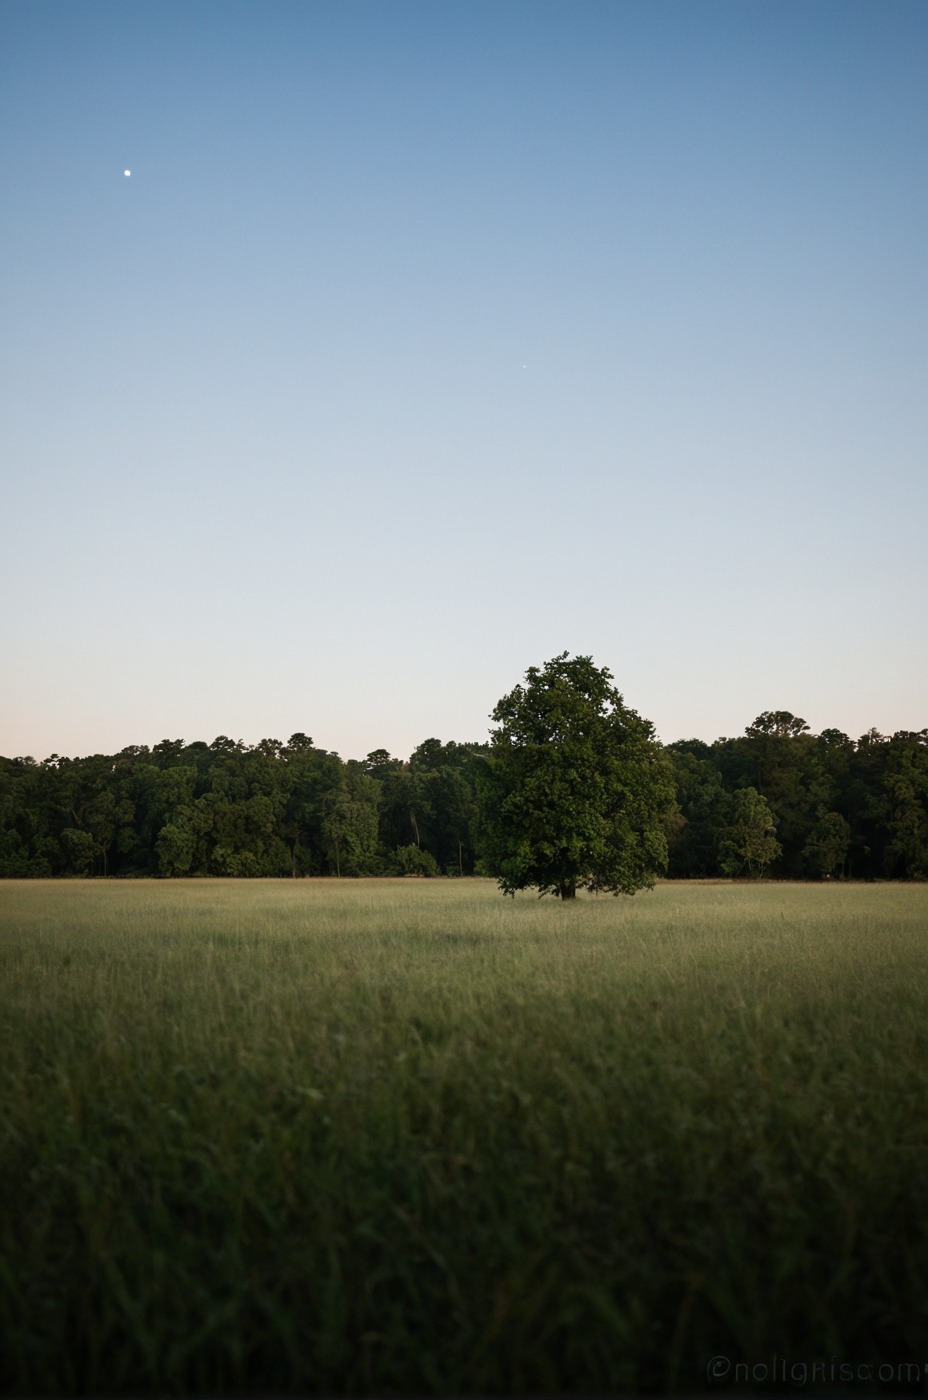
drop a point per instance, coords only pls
(411, 1137)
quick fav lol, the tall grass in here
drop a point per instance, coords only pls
(411, 1137)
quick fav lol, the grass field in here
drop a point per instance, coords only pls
(412, 1137)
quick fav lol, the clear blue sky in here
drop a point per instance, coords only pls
(428, 340)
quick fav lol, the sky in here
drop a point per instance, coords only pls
(427, 341)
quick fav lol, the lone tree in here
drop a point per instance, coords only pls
(576, 790)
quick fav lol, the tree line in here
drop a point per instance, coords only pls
(782, 801)
(227, 808)
(571, 789)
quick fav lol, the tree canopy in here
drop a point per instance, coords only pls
(833, 807)
(575, 792)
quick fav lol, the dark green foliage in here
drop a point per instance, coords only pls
(748, 845)
(840, 808)
(413, 860)
(701, 796)
(274, 809)
(349, 823)
(825, 852)
(576, 791)
(443, 778)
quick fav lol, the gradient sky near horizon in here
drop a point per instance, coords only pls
(426, 341)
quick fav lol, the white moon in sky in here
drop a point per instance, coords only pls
(127, 172)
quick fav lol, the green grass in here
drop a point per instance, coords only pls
(411, 1137)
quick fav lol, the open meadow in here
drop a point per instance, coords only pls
(413, 1137)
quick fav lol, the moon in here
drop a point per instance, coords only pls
(127, 172)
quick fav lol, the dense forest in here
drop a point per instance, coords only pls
(777, 801)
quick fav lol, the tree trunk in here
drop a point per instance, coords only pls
(568, 889)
